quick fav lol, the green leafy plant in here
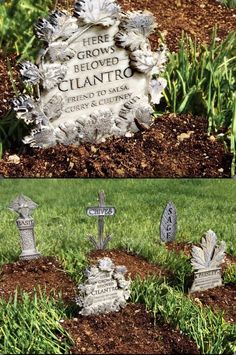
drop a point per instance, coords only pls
(202, 79)
(17, 19)
(228, 3)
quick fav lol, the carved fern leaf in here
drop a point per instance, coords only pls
(99, 12)
(218, 256)
(208, 245)
(156, 88)
(198, 258)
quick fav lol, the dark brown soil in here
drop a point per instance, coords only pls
(45, 274)
(162, 151)
(136, 265)
(220, 298)
(130, 331)
(196, 18)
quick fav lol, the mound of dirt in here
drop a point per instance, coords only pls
(175, 146)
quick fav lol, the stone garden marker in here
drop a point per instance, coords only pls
(100, 212)
(206, 261)
(24, 206)
(105, 289)
(96, 77)
(168, 225)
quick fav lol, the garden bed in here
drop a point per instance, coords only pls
(154, 153)
(175, 146)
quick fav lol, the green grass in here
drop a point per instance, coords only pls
(210, 331)
(61, 230)
(62, 224)
(32, 326)
(17, 20)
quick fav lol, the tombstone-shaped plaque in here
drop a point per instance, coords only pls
(105, 289)
(97, 76)
(206, 261)
(168, 225)
(24, 206)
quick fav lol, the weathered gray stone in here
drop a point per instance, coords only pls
(101, 211)
(207, 260)
(24, 206)
(97, 77)
(168, 224)
(104, 290)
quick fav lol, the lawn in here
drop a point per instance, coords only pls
(62, 224)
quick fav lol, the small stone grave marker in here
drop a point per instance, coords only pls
(105, 289)
(97, 76)
(100, 212)
(24, 206)
(168, 224)
(207, 260)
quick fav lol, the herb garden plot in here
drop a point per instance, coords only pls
(202, 98)
(104, 333)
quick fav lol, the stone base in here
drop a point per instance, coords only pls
(30, 256)
(204, 280)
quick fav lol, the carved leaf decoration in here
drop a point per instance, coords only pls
(143, 61)
(208, 245)
(198, 258)
(30, 73)
(53, 74)
(218, 256)
(58, 25)
(29, 110)
(168, 225)
(67, 133)
(209, 255)
(41, 138)
(156, 88)
(64, 24)
(97, 127)
(59, 51)
(131, 40)
(141, 23)
(45, 30)
(99, 12)
(53, 108)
